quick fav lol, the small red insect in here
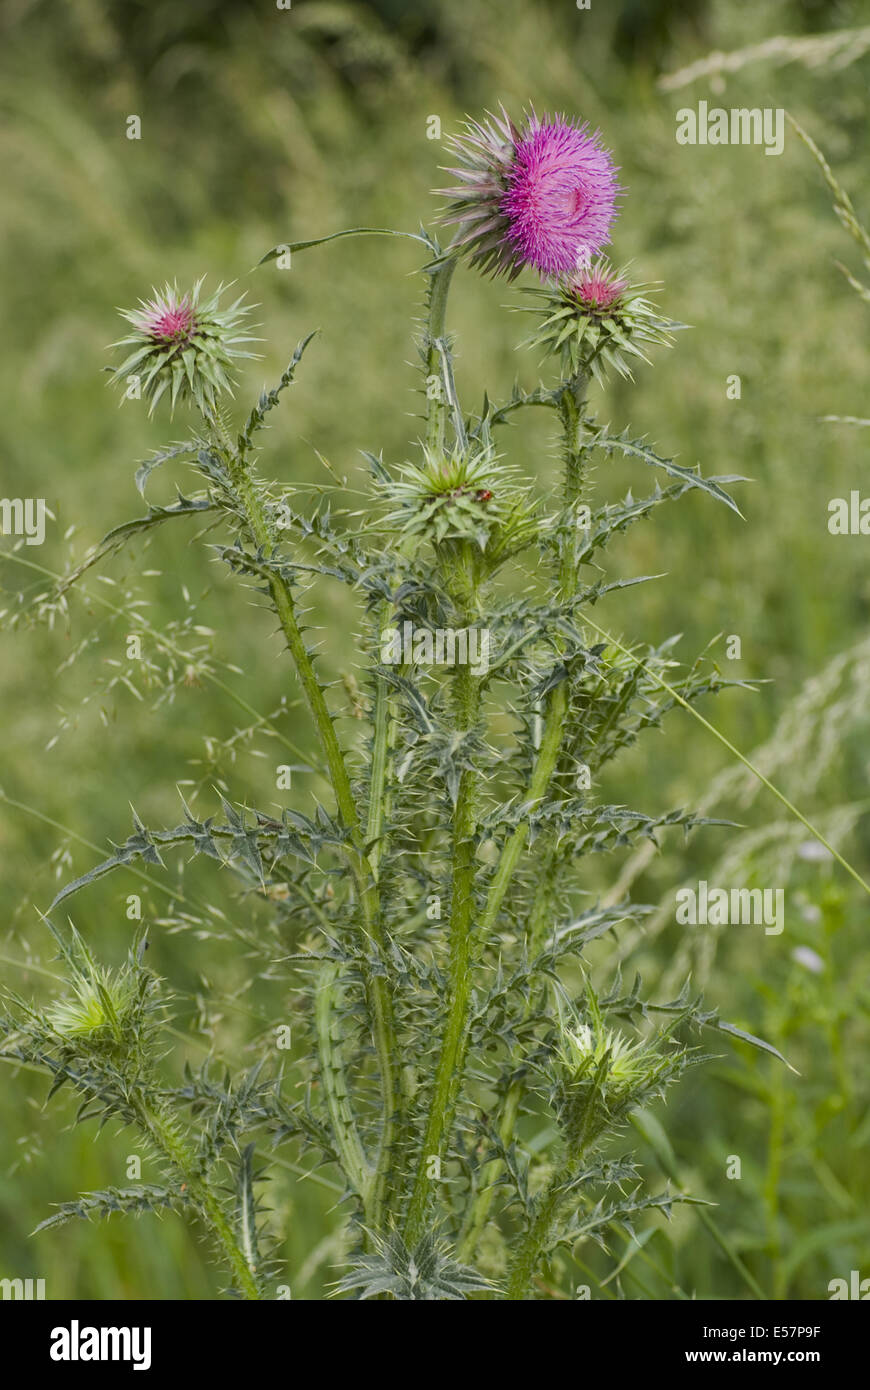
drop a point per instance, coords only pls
(483, 494)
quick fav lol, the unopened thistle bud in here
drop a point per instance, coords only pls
(600, 1075)
(469, 506)
(457, 495)
(100, 1012)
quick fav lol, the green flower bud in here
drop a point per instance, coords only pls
(102, 1011)
(469, 506)
(600, 1075)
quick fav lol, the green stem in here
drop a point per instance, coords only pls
(379, 811)
(378, 794)
(285, 609)
(466, 705)
(335, 1088)
(480, 1206)
(377, 988)
(162, 1133)
(529, 1253)
(437, 402)
(393, 1136)
(448, 1076)
(570, 410)
(570, 406)
(571, 399)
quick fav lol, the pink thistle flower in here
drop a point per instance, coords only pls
(597, 287)
(168, 318)
(183, 346)
(543, 195)
(596, 320)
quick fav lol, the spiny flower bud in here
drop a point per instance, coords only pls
(600, 1075)
(458, 495)
(183, 345)
(595, 319)
(468, 505)
(542, 194)
(101, 1009)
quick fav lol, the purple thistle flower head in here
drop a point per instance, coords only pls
(595, 320)
(184, 344)
(597, 287)
(168, 317)
(542, 195)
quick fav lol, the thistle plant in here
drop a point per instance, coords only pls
(434, 913)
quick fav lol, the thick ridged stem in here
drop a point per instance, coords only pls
(392, 1137)
(480, 1207)
(570, 410)
(571, 415)
(378, 809)
(334, 1083)
(529, 1253)
(437, 391)
(449, 1071)
(163, 1135)
(440, 394)
(377, 989)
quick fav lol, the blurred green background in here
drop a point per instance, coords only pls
(261, 125)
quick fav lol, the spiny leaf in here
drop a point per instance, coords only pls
(427, 1274)
(269, 399)
(283, 248)
(145, 469)
(637, 448)
(115, 539)
(135, 1200)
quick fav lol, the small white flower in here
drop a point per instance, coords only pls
(808, 958)
(813, 852)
